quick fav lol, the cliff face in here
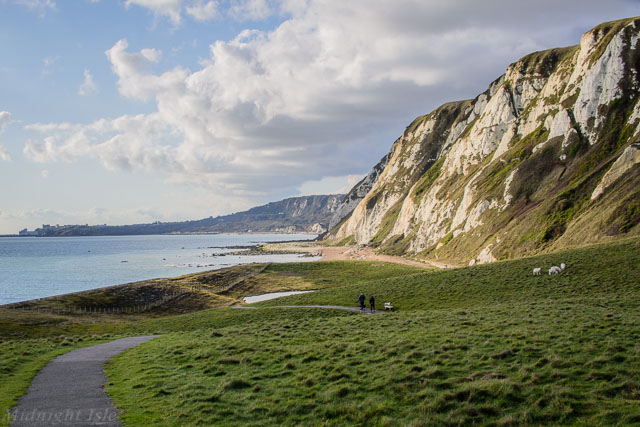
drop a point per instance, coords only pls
(298, 214)
(358, 192)
(545, 158)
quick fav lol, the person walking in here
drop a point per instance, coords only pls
(362, 298)
(372, 303)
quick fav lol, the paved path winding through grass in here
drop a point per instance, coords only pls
(333, 307)
(69, 391)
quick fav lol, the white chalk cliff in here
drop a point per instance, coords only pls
(549, 145)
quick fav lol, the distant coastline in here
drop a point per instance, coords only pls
(297, 215)
(195, 233)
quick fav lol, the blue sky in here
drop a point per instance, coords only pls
(134, 111)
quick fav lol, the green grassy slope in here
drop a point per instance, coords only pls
(489, 344)
(30, 338)
(499, 283)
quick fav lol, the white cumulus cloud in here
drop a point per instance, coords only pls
(170, 9)
(251, 10)
(203, 11)
(320, 96)
(5, 119)
(88, 86)
(133, 70)
(4, 154)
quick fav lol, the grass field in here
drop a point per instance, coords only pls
(30, 338)
(488, 344)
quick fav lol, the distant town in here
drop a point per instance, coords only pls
(48, 229)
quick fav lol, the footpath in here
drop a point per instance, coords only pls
(69, 390)
(333, 307)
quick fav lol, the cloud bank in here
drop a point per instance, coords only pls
(271, 110)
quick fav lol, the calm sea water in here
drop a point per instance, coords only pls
(32, 267)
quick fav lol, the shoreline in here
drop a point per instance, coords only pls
(98, 262)
(154, 279)
(346, 253)
(302, 248)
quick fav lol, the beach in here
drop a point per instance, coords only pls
(348, 253)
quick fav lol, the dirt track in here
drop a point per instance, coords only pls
(346, 253)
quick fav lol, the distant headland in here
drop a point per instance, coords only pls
(306, 214)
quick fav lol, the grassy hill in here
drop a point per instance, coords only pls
(489, 344)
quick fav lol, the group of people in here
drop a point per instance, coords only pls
(372, 302)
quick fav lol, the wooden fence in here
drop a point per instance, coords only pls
(128, 309)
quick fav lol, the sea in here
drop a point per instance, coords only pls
(37, 267)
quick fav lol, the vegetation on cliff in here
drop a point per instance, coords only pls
(514, 171)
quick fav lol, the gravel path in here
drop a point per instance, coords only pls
(69, 391)
(333, 307)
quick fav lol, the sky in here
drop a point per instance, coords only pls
(133, 111)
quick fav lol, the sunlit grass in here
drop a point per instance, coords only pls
(553, 364)
(488, 344)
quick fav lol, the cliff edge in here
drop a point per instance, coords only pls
(546, 158)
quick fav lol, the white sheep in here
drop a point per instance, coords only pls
(554, 270)
(536, 271)
(563, 266)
